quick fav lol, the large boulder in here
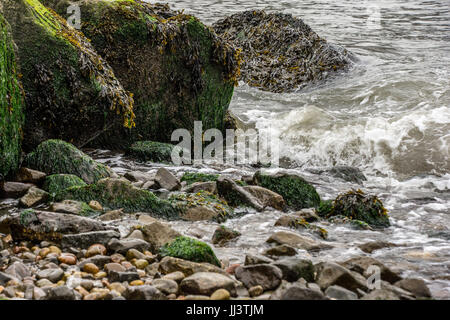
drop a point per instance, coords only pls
(71, 92)
(120, 194)
(11, 104)
(59, 157)
(280, 52)
(178, 69)
(58, 182)
(295, 190)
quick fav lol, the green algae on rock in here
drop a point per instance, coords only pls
(192, 177)
(121, 194)
(190, 249)
(295, 190)
(151, 151)
(11, 104)
(56, 183)
(71, 92)
(356, 205)
(178, 69)
(59, 157)
(280, 52)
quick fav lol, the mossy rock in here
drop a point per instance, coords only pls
(222, 235)
(178, 69)
(71, 91)
(356, 205)
(192, 177)
(295, 190)
(56, 183)
(190, 249)
(202, 205)
(59, 157)
(325, 208)
(11, 104)
(120, 194)
(151, 151)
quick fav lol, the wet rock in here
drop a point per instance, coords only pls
(256, 291)
(98, 260)
(33, 197)
(279, 251)
(53, 275)
(370, 247)
(201, 186)
(90, 268)
(67, 258)
(166, 286)
(122, 246)
(190, 249)
(268, 276)
(95, 205)
(123, 276)
(136, 234)
(112, 215)
(176, 276)
(170, 264)
(417, 287)
(94, 250)
(299, 292)
(120, 194)
(236, 195)
(14, 189)
(59, 182)
(26, 175)
(309, 215)
(256, 259)
(267, 197)
(51, 226)
(61, 293)
(339, 293)
(296, 191)
(294, 268)
(346, 173)
(362, 265)
(220, 294)
(380, 294)
(72, 207)
(158, 234)
(206, 283)
(194, 177)
(297, 241)
(166, 180)
(151, 151)
(18, 270)
(143, 292)
(329, 274)
(280, 52)
(86, 239)
(222, 235)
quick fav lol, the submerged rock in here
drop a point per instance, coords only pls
(222, 235)
(178, 69)
(11, 104)
(295, 190)
(59, 157)
(280, 52)
(71, 91)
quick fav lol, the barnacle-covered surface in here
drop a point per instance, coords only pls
(177, 68)
(11, 104)
(71, 92)
(280, 52)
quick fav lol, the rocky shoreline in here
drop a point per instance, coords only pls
(66, 241)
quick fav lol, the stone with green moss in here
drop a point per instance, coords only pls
(295, 190)
(325, 207)
(190, 249)
(59, 157)
(192, 177)
(202, 205)
(222, 235)
(177, 68)
(11, 104)
(56, 183)
(356, 205)
(121, 194)
(151, 151)
(71, 91)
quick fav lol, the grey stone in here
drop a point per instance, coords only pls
(53, 275)
(86, 239)
(18, 270)
(144, 292)
(127, 276)
(205, 283)
(166, 180)
(256, 259)
(166, 286)
(329, 274)
(296, 268)
(417, 287)
(122, 246)
(266, 275)
(61, 293)
(339, 293)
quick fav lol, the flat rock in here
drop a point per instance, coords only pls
(297, 241)
(86, 239)
(362, 265)
(370, 247)
(380, 294)
(279, 251)
(170, 264)
(339, 293)
(256, 259)
(122, 246)
(295, 268)
(144, 292)
(266, 275)
(267, 197)
(329, 274)
(206, 283)
(166, 286)
(417, 287)
(14, 189)
(26, 175)
(53, 275)
(33, 197)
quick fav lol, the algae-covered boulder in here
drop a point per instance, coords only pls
(202, 205)
(296, 191)
(11, 104)
(280, 52)
(192, 177)
(190, 249)
(151, 151)
(58, 182)
(178, 69)
(71, 92)
(59, 157)
(120, 194)
(356, 205)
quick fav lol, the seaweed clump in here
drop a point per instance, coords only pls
(192, 177)
(11, 104)
(151, 151)
(70, 91)
(56, 183)
(190, 249)
(280, 52)
(179, 70)
(360, 207)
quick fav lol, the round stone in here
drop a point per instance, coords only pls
(220, 294)
(90, 268)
